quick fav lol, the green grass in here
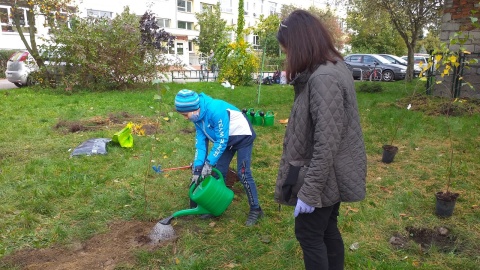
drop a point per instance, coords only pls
(48, 198)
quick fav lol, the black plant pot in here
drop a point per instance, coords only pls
(445, 203)
(389, 152)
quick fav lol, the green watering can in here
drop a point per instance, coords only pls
(258, 118)
(269, 119)
(124, 137)
(250, 114)
(211, 195)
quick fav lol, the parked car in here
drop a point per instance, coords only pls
(20, 65)
(358, 63)
(398, 60)
(420, 61)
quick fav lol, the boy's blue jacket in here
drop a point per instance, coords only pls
(223, 124)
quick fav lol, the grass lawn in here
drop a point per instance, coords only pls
(84, 212)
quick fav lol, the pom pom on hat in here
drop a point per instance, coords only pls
(186, 101)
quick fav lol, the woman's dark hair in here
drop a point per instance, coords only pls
(307, 42)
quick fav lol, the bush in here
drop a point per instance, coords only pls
(4, 55)
(237, 62)
(370, 87)
(110, 53)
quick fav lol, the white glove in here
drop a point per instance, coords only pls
(302, 208)
(207, 170)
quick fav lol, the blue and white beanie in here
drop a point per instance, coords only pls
(186, 101)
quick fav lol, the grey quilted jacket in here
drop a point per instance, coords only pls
(323, 160)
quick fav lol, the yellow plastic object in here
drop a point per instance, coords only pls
(124, 137)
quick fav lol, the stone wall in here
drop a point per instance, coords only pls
(457, 18)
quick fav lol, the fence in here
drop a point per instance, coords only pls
(205, 75)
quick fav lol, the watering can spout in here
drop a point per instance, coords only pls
(167, 220)
(192, 211)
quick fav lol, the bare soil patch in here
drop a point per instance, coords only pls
(439, 237)
(146, 126)
(104, 251)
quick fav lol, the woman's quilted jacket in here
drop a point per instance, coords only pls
(324, 137)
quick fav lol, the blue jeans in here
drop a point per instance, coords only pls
(244, 156)
(320, 239)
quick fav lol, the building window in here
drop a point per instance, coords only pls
(245, 7)
(165, 23)
(7, 23)
(56, 19)
(256, 41)
(226, 6)
(273, 8)
(180, 48)
(204, 7)
(99, 13)
(185, 25)
(190, 46)
(184, 6)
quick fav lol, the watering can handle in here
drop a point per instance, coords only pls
(194, 185)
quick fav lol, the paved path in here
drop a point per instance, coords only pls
(4, 84)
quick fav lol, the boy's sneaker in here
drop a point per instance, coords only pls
(253, 216)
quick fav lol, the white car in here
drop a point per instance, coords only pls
(20, 65)
(420, 61)
(401, 61)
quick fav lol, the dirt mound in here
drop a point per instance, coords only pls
(103, 251)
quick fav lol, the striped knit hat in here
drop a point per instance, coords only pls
(186, 101)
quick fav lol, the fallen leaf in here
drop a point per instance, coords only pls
(231, 265)
(177, 261)
(416, 263)
(386, 190)
(403, 215)
(212, 224)
(474, 206)
(283, 121)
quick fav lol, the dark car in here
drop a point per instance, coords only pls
(359, 63)
(398, 60)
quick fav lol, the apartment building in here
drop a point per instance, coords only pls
(176, 16)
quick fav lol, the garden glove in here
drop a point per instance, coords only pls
(302, 208)
(207, 169)
(196, 171)
(194, 179)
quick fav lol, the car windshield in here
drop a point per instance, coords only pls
(394, 57)
(382, 59)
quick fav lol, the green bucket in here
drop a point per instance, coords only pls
(269, 119)
(124, 137)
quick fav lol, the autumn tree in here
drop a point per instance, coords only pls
(266, 30)
(240, 21)
(371, 32)
(408, 17)
(54, 11)
(327, 16)
(212, 28)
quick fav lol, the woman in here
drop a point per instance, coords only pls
(323, 161)
(230, 132)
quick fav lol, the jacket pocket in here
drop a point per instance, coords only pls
(294, 180)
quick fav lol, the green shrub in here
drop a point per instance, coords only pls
(370, 87)
(237, 62)
(4, 55)
(107, 53)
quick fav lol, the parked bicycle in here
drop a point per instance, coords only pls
(372, 74)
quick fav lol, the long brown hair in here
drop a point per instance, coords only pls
(307, 42)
